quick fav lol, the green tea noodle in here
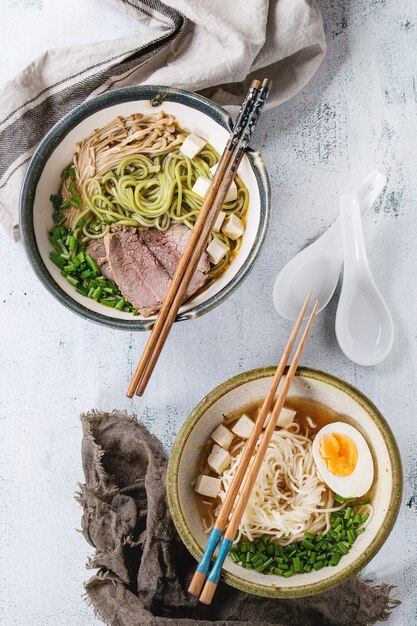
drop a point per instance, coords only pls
(132, 173)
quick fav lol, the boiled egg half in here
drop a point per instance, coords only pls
(343, 460)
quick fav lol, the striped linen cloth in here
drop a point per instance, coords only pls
(215, 47)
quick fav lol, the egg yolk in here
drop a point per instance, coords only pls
(339, 454)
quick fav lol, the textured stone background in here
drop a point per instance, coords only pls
(359, 112)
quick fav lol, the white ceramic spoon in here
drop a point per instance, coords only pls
(317, 267)
(364, 327)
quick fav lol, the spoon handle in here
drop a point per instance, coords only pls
(367, 194)
(370, 189)
(355, 257)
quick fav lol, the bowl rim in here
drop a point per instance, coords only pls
(156, 94)
(364, 558)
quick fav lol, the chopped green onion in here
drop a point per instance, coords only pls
(72, 280)
(56, 200)
(75, 200)
(119, 306)
(55, 258)
(335, 559)
(96, 293)
(263, 567)
(61, 245)
(93, 265)
(342, 548)
(296, 564)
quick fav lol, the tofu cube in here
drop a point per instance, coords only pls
(243, 427)
(208, 486)
(222, 436)
(192, 145)
(232, 191)
(219, 221)
(216, 250)
(286, 418)
(233, 227)
(219, 459)
(201, 186)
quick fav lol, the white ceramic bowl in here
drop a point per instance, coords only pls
(190, 445)
(195, 114)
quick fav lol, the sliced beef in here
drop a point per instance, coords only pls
(168, 248)
(97, 250)
(137, 273)
(142, 263)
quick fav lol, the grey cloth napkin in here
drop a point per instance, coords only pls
(212, 46)
(143, 568)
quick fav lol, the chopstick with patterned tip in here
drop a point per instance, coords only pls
(206, 229)
(203, 566)
(197, 241)
(243, 498)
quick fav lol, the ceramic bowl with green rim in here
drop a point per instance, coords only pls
(194, 114)
(191, 444)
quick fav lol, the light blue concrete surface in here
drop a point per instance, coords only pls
(359, 112)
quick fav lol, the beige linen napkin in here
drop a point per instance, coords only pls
(143, 568)
(211, 46)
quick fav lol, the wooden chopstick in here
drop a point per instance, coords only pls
(189, 272)
(194, 236)
(211, 207)
(242, 500)
(203, 566)
(206, 229)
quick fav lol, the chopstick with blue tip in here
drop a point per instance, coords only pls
(203, 566)
(242, 499)
(197, 242)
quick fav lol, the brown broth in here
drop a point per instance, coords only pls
(320, 413)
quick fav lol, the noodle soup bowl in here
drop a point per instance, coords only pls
(190, 448)
(195, 114)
